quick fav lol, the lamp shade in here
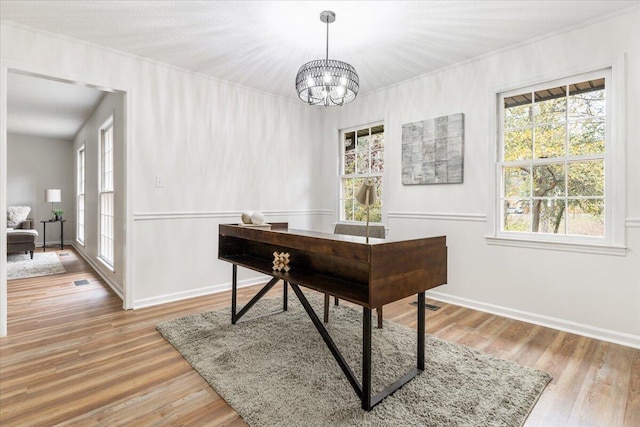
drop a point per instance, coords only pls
(367, 187)
(53, 195)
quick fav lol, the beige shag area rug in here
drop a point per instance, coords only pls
(277, 371)
(21, 266)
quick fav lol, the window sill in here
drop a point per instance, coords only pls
(558, 246)
(105, 263)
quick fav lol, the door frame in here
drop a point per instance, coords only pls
(127, 244)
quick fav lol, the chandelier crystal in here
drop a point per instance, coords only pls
(327, 81)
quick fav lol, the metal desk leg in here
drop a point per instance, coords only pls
(366, 359)
(61, 234)
(421, 331)
(285, 295)
(44, 237)
(326, 308)
(234, 293)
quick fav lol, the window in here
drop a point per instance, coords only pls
(362, 156)
(554, 162)
(80, 196)
(106, 237)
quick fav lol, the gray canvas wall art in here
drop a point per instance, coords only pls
(433, 151)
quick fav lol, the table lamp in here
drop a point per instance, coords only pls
(53, 195)
(367, 196)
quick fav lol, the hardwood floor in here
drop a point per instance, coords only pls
(74, 357)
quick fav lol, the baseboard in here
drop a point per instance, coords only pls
(608, 335)
(113, 285)
(178, 296)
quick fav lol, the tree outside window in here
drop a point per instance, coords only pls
(362, 158)
(553, 160)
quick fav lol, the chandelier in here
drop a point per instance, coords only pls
(327, 81)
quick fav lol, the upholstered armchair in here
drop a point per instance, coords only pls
(22, 238)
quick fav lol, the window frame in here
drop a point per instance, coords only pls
(613, 243)
(342, 175)
(106, 188)
(81, 159)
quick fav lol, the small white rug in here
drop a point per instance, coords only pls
(21, 266)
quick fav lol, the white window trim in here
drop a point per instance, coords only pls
(615, 185)
(83, 193)
(341, 133)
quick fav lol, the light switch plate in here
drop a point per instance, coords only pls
(159, 181)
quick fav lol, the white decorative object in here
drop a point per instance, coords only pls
(281, 261)
(257, 218)
(17, 214)
(246, 217)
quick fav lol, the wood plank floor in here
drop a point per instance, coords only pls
(74, 357)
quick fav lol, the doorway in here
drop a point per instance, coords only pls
(45, 126)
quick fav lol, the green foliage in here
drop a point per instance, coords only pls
(361, 159)
(538, 195)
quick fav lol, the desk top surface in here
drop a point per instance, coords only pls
(328, 236)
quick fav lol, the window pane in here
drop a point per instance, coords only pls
(375, 210)
(347, 188)
(586, 178)
(350, 162)
(362, 155)
(348, 210)
(377, 153)
(517, 116)
(587, 104)
(358, 211)
(517, 181)
(516, 215)
(80, 218)
(349, 153)
(586, 137)
(548, 180)
(550, 105)
(106, 227)
(518, 145)
(549, 141)
(548, 216)
(586, 217)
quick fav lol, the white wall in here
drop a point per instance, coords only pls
(33, 165)
(112, 105)
(221, 149)
(598, 295)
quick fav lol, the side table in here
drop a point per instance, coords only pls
(44, 232)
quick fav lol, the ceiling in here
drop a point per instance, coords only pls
(47, 108)
(261, 44)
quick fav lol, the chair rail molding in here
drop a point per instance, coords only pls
(633, 222)
(151, 216)
(439, 216)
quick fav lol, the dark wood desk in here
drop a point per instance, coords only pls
(368, 274)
